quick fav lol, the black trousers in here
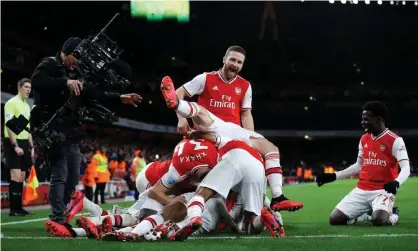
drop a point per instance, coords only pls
(88, 192)
(64, 162)
(100, 188)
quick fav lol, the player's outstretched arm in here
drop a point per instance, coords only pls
(352, 170)
(159, 193)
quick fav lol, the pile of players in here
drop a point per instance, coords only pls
(218, 175)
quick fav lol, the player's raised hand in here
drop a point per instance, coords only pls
(324, 178)
(183, 126)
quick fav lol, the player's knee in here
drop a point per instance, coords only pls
(380, 218)
(263, 146)
(337, 218)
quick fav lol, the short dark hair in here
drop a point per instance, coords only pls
(376, 108)
(236, 48)
(21, 82)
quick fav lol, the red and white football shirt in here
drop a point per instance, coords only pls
(189, 155)
(380, 156)
(156, 170)
(225, 99)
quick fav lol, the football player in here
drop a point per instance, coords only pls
(380, 153)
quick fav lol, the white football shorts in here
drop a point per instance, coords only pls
(240, 170)
(359, 202)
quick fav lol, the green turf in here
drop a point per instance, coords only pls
(304, 228)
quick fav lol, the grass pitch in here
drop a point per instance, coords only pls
(307, 229)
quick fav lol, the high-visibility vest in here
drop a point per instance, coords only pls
(102, 170)
(137, 165)
(299, 172)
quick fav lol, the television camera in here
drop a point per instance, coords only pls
(95, 57)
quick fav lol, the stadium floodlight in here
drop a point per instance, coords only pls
(343, 1)
(403, 2)
(355, 1)
(367, 1)
(391, 2)
(331, 1)
(416, 3)
(379, 2)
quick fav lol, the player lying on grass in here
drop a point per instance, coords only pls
(146, 178)
(191, 161)
(158, 193)
(206, 121)
(163, 224)
(169, 219)
(381, 152)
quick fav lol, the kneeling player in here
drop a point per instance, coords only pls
(380, 153)
(209, 123)
(173, 215)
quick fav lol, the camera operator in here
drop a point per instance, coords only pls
(54, 80)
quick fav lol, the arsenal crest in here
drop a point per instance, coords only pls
(237, 90)
(382, 147)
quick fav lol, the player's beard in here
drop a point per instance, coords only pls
(230, 72)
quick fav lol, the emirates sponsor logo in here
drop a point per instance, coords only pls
(372, 159)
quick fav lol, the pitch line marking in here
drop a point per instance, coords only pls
(229, 237)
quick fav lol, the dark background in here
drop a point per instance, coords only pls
(324, 51)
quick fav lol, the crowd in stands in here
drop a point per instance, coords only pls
(313, 156)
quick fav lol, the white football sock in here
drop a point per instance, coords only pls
(393, 219)
(125, 230)
(128, 220)
(183, 223)
(147, 224)
(97, 220)
(237, 208)
(256, 226)
(92, 208)
(274, 173)
(364, 217)
(361, 218)
(195, 206)
(187, 109)
(267, 202)
(80, 232)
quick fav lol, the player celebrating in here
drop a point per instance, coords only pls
(240, 167)
(380, 153)
(212, 88)
(229, 96)
(190, 158)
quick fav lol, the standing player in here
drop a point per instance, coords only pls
(228, 96)
(380, 154)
